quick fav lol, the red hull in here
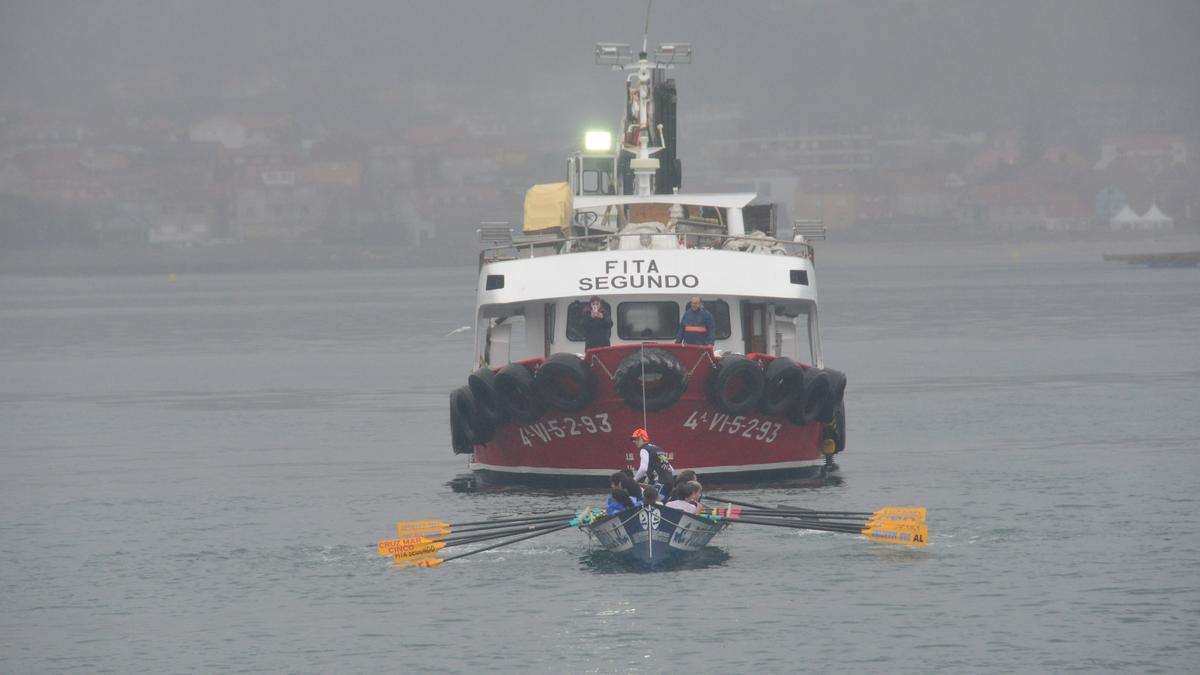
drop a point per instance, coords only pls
(563, 448)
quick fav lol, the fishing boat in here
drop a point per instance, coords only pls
(753, 402)
(653, 535)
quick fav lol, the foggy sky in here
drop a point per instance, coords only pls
(798, 63)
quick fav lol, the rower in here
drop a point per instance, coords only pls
(697, 492)
(650, 495)
(626, 493)
(681, 498)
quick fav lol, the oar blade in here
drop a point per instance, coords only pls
(422, 528)
(891, 523)
(402, 545)
(422, 523)
(409, 547)
(916, 513)
(918, 536)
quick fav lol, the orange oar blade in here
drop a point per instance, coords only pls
(394, 546)
(414, 528)
(409, 547)
(916, 513)
(398, 561)
(892, 524)
(905, 537)
(420, 551)
(412, 524)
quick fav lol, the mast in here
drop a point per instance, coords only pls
(642, 133)
(643, 164)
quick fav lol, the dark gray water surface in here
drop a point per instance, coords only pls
(192, 475)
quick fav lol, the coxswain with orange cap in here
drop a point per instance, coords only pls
(654, 466)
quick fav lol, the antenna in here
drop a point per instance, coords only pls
(644, 73)
(646, 32)
(615, 54)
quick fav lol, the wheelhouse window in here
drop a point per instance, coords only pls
(648, 320)
(505, 340)
(575, 313)
(595, 182)
(720, 311)
(804, 336)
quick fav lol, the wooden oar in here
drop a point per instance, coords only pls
(784, 508)
(422, 536)
(503, 525)
(474, 538)
(916, 513)
(909, 535)
(801, 525)
(420, 540)
(492, 521)
(875, 522)
(439, 529)
(815, 515)
(403, 550)
(434, 562)
(727, 500)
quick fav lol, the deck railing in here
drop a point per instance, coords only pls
(543, 245)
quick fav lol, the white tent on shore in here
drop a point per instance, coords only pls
(1125, 219)
(1157, 218)
(1128, 221)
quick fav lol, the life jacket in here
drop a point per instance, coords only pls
(660, 469)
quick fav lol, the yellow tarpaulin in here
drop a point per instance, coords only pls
(548, 207)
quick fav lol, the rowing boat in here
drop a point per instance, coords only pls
(653, 535)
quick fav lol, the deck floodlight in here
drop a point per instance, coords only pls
(597, 141)
(613, 54)
(673, 52)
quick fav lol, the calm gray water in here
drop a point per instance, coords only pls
(192, 474)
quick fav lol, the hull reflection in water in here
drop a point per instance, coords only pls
(653, 536)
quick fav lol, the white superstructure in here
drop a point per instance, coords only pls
(646, 253)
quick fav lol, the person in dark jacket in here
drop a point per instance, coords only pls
(697, 326)
(654, 467)
(596, 324)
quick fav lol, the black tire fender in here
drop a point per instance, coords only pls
(815, 385)
(784, 386)
(565, 382)
(828, 407)
(514, 384)
(736, 384)
(483, 387)
(463, 436)
(670, 379)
